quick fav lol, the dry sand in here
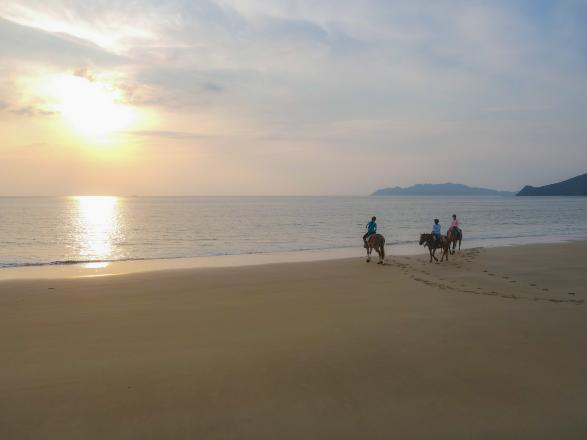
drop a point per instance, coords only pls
(489, 345)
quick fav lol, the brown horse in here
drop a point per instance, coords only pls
(430, 241)
(377, 242)
(454, 235)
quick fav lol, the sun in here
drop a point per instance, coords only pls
(91, 107)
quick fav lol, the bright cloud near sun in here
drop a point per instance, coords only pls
(90, 107)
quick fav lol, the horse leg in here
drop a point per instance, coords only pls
(368, 254)
(381, 253)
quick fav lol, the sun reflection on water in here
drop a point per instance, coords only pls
(98, 226)
(96, 265)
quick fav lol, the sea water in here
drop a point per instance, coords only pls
(63, 230)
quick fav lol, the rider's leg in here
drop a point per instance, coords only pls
(365, 237)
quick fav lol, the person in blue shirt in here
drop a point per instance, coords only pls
(436, 229)
(371, 229)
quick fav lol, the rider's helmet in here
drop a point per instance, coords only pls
(373, 218)
(454, 216)
(436, 220)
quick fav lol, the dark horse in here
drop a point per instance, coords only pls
(454, 234)
(430, 241)
(377, 242)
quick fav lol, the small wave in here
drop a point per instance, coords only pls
(400, 242)
(66, 262)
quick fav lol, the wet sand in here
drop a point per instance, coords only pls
(488, 345)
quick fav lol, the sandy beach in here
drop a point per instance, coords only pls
(488, 345)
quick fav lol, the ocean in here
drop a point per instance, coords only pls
(67, 230)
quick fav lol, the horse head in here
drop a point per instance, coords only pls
(423, 239)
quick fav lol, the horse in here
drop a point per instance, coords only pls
(377, 242)
(430, 241)
(454, 234)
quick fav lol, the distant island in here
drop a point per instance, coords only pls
(441, 189)
(577, 186)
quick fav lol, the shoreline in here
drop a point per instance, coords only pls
(121, 267)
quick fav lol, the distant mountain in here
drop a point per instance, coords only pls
(577, 186)
(441, 189)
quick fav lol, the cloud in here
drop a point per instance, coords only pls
(84, 72)
(167, 134)
(33, 111)
(175, 87)
(23, 43)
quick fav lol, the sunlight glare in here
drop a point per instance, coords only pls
(92, 107)
(98, 226)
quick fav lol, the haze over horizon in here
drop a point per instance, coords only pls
(207, 97)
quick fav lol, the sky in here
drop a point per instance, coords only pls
(286, 97)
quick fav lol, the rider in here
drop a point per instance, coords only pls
(455, 224)
(371, 229)
(436, 229)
